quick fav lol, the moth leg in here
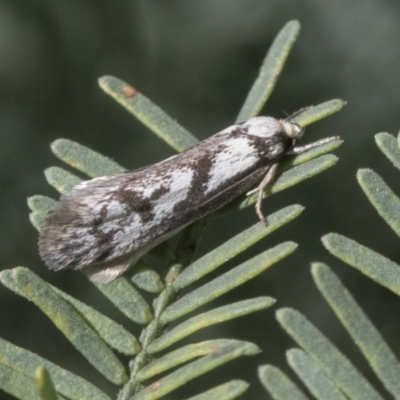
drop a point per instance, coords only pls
(268, 178)
(302, 149)
(252, 192)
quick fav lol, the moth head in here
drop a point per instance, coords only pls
(268, 127)
(291, 129)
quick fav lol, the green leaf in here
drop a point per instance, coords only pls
(148, 113)
(40, 206)
(270, 71)
(293, 177)
(226, 282)
(200, 321)
(315, 113)
(45, 385)
(182, 355)
(364, 334)
(17, 376)
(388, 145)
(127, 299)
(312, 376)
(302, 172)
(227, 391)
(37, 219)
(17, 384)
(62, 180)
(235, 246)
(278, 385)
(84, 159)
(372, 264)
(311, 154)
(147, 279)
(67, 320)
(42, 203)
(194, 369)
(381, 197)
(326, 355)
(115, 335)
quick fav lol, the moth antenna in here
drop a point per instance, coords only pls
(291, 117)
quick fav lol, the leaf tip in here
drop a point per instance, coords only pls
(293, 352)
(4, 274)
(338, 104)
(31, 202)
(47, 172)
(104, 80)
(381, 135)
(294, 24)
(325, 238)
(317, 268)
(329, 240)
(363, 174)
(282, 313)
(55, 146)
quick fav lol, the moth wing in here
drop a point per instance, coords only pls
(107, 271)
(110, 222)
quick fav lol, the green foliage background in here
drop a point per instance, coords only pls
(197, 61)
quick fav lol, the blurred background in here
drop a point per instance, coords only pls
(197, 60)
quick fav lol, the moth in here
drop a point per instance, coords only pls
(104, 225)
